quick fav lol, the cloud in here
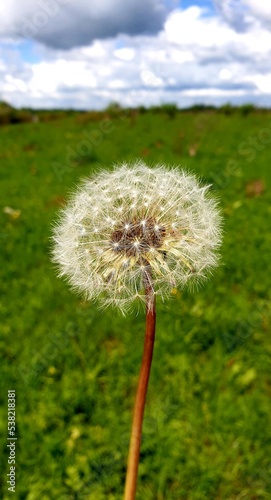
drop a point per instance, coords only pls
(241, 14)
(195, 58)
(190, 28)
(260, 9)
(65, 24)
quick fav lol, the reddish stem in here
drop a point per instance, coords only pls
(135, 440)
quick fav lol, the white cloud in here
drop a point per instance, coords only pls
(263, 82)
(260, 8)
(225, 74)
(116, 84)
(242, 13)
(126, 53)
(51, 77)
(12, 84)
(195, 58)
(149, 79)
(181, 56)
(96, 51)
(189, 28)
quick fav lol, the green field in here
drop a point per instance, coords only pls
(207, 432)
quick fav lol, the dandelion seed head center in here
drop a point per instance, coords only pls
(131, 238)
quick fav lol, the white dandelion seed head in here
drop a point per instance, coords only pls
(108, 235)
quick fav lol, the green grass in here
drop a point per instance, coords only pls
(207, 432)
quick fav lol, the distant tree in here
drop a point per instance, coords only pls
(5, 107)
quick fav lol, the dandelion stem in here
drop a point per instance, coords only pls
(134, 449)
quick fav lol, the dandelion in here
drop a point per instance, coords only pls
(132, 234)
(125, 225)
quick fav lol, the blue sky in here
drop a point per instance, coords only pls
(28, 51)
(208, 4)
(88, 54)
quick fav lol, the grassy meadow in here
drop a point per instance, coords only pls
(207, 432)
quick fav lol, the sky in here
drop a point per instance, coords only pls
(88, 54)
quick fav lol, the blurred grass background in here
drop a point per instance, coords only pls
(207, 432)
